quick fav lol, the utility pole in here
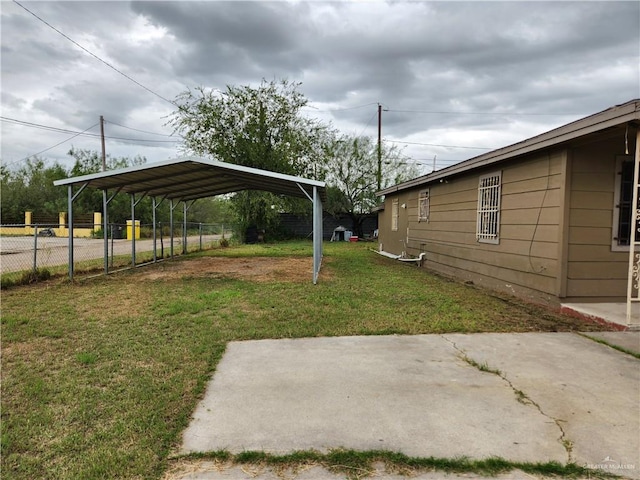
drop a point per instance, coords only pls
(104, 157)
(379, 147)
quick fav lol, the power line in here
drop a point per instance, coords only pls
(438, 145)
(341, 108)
(138, 130)
(142, 140)
(438, 160)
(368, 123)
(54, 146)
(36, 125)
(94, 55)
(482, 113)
(83, 133)
(444, 112)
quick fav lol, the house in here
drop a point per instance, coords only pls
(547, 219)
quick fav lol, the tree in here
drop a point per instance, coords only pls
(31, 188)
(89, 161)
(351, 176)
(260, 127)
(90, 200)
(211, 210)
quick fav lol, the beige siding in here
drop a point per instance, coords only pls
(393, 241)
(594, 270)
(525, 258)
(556, 224)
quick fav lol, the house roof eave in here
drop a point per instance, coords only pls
(611, 117)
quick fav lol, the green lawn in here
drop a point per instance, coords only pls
(100, 377)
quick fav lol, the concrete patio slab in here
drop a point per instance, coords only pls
(629, 340)
(610, 313)
(558, 397)
(591, 392)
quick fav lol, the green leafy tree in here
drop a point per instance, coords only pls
(351, 175)
(31, 188)
(211, 210)
(90, 200)
(89, 161)
(261, 127)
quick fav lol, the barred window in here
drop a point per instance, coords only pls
(622, 218)
(423, 206)
(488, 225)
(394, 214)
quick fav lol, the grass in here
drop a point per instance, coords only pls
(611, 345)
(94, 266)
(483, 367)
(357, 464)
(99, 377)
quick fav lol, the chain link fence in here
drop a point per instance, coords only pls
(35, 247)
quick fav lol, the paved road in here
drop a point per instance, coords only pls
(17, 253)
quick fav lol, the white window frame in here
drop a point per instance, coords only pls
(395, 213)
(424, 205)
(489, 203)
(615, 246)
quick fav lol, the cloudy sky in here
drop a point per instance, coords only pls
(455, 78)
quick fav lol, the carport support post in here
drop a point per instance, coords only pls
(105, 234)
(153, 204)
(156, 204)
(184, 228)
(71, 197)
(317, 234)
(133, 229)
(171, 207)
(133, 225)
(70, 224)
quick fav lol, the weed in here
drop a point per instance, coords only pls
(34, 276)
(361, 464)
(615, 347)
(483, 367)
(522, 397)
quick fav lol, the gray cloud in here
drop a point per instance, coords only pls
(551, 58)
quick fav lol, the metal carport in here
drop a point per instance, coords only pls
(185, 180)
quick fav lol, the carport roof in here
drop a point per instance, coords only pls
(190, 178)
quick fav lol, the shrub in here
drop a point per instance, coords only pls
(34, 276)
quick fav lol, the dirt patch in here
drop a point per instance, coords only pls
(258, 269)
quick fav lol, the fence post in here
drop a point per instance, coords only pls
(35, 248)
(200, 228)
